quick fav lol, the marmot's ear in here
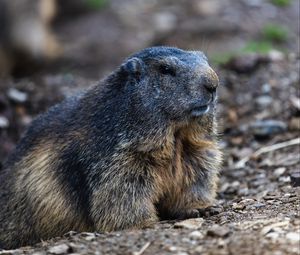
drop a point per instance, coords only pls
(133, 66)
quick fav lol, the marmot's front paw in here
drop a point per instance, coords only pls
(188, 214)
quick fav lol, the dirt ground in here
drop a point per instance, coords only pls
(257, 208)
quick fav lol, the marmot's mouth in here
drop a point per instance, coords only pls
(199, 111)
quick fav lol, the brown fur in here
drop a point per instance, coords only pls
(103, 161)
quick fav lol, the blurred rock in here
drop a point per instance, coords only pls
(273, 235)
(242, 204)
(17, 96)
(295, 179)
(59, 249)
(294, 124)
(263, 101)
(253, 3)
(196, 235)
(190, 223)
(218, 231)
(295, 102)
(266, 128)
(275, 55)
(246, 63)
(279, 171)
(266, 88)
(4, 123)
(255, 206)
(39, 253)
(284, 179)
(293, 237)
(206, 7)
(164, 21)
(274, 227)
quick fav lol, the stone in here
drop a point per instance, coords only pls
(279, 171)
(276, 55)
(165, 21)
(196, 235)
(218, 231)
(246, 63)
(295, 179)
(294, 124)
(264, 101)
(284, 179)
(17, 96)
(59, 249)
(190, 223)
(4, 123)
(242, 204)
(266, 128)
(295, 101)
(293, 237)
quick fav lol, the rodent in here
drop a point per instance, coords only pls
(139, 146)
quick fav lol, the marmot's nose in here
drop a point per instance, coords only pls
(209, 80)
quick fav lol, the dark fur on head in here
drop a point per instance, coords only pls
(139, 145)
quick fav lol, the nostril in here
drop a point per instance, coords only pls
(210, 85)
(211, 89)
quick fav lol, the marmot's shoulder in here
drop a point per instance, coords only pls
(138, 146)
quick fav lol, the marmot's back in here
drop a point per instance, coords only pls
(137, 146)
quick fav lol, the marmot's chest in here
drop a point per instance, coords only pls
(178, 166)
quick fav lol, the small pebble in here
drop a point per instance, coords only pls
(17, 95)
(273, 235)
(165, 21)
(172, 248)
(59, 249)
(218, 231)
(293, 237)
(294, 124)
(276, 55)
(266, 128)
(266, 88)
(4, 123)
(196, 235)
(279, 171)
(190, 223)
(295, 179)
(242, 204)
(264, 101)
(255, 206)
(295, 102)
(245, 63)
(284, 179)
(253, 3)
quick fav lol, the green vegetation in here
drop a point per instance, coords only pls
(275, 33)
(272, 35)
(281, 3)
(96, 4)
(222, 58)
(257, 46)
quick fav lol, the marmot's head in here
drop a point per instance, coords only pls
(177, 84)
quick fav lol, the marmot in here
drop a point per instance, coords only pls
(139, 146)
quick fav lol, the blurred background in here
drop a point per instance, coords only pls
(50, 49)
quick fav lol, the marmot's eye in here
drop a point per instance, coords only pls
(167, 70)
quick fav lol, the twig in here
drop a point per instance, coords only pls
(266, 149)
(142, 250)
